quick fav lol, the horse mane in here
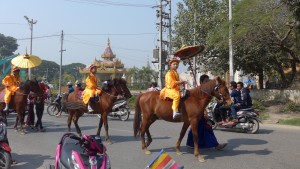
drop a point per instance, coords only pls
(23, 85)
(206, 87)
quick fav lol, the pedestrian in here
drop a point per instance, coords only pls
(30, 108)
(39, 108)
(206, 135)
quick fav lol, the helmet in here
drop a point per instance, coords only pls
(69, 84)
(15, 68)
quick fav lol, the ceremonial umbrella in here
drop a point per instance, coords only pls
(186, 52)
(26, 61)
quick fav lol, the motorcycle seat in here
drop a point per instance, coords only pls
(247, 109)
(119, 101)
(68, 145)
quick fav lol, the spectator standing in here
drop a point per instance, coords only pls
(39, 108)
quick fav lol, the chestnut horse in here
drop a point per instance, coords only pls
(18, 101)
(110, 91)
(149, 107)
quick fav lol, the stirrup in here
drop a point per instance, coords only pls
(175, 114)
(90, 110)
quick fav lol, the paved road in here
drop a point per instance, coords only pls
(273, 148)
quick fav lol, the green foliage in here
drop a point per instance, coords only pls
(291, 107)
(293, 122)
(260, 107)
(8, 45)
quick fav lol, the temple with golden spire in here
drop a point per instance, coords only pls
(108, 68)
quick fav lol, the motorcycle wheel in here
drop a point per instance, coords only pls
(255, 126)
(5, 159)
(52, 109)
(125, 114)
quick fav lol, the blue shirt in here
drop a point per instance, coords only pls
(71, 89)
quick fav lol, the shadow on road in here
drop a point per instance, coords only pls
(36, 160)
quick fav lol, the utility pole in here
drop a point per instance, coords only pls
(163, 26)
(230, 43)
(30, 22)
(61, 54)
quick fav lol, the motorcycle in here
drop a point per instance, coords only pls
(248, 119)
(5, 150)
(120, 110)
(86, 152)
(54, 107)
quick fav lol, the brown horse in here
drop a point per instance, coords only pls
(110, 91)
(18, 101)
(149, 107)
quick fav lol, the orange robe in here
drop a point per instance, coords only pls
(171, 89)
(12, 84)
(91, 88)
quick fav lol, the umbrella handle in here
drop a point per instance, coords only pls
(193, 71)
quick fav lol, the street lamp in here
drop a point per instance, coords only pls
(30, 23)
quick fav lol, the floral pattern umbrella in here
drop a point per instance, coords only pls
(26, 61)
(187, 52)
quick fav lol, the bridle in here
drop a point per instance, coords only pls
(121, 93)
(216, 88)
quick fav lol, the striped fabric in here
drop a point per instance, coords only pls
(163, 161)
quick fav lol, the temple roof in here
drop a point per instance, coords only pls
(108, 53)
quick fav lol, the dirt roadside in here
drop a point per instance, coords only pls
(275, 114)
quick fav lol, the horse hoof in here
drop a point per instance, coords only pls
(23, 132)
(147, 151)
(201, 159)
(16, 130)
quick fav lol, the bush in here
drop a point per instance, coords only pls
(291, 107)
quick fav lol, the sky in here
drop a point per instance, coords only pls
(87, 24)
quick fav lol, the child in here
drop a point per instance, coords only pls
(172, 85)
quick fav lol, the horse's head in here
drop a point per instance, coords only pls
(117, 85)
(122, 88)
(35, 87)
(221, 91)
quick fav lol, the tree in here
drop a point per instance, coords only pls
(8, 45)
(203, 16)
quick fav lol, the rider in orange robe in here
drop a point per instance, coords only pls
(91, 90)
(172, 86)
(11, 82)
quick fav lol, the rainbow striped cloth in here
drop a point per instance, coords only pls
(163, 161)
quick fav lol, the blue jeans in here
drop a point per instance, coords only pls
(235, 108)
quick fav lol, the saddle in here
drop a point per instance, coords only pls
(2, 93)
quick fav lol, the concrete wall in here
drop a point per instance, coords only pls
(280, 95)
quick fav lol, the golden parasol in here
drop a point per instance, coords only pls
(186, 52)
(26, 61)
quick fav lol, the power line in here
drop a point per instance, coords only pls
(114, 3)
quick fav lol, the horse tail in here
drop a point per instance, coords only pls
(137, 116)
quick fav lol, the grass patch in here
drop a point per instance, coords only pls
(293, 122)
(261, 108)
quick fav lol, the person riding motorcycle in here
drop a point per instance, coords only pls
(11, 82)
(91, 90)
(70, 87)
(243, 100)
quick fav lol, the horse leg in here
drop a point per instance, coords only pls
(185, 126)
(145, 129)
(16, 123)
(75, 121)
(22, 115)
(69, 121)
(149, 138)
(194, 126)
(99, 126)
(105, 122)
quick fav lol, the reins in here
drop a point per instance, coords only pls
(215, 88)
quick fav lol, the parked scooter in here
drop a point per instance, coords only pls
(248, 119)
(120, 110)
(5, 150)
(87, 152)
